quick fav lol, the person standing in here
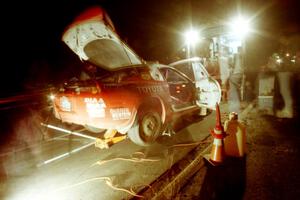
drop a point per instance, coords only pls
(285, 72)
(224, 71)
(285, 84)
(235, 82)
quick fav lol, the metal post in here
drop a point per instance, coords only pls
(69, 132)
(243, 83)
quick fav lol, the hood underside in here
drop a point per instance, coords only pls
(92, 38)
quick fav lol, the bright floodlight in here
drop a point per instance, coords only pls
(52, 96)
(240, 27)
(191, 37)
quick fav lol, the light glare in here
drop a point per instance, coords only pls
(279, 60)
(191, 37)
(240, 27)
(52, 96)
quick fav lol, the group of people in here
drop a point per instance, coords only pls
(232, 78)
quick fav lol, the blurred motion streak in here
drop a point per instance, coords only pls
(22, 100)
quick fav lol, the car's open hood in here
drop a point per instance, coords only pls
(92, 37)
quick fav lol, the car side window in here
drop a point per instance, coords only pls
(109, 79)
(174, 77)
(115, 77)
(121, 76)
(187, 69)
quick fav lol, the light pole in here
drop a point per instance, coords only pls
(191, 37)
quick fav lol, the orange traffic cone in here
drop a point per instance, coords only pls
(217, 154)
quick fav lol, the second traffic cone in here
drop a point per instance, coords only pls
(217, 154)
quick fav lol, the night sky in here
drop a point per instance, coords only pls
(34, 55)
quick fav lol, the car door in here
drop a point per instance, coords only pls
(208, 91)
(181, 89)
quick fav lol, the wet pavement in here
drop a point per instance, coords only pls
(269, 171)
(62, 166)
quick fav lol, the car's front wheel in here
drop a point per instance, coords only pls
(146, 128)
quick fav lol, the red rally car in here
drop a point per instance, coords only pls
(124, 92)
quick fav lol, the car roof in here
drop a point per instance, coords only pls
(194, 59)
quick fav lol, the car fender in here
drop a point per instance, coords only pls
(153, 101)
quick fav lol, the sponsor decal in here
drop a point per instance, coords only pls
(150, 89)
(120, 113)
(65, 104)
(95, 107)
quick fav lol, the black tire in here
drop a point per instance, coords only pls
(146, 128)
